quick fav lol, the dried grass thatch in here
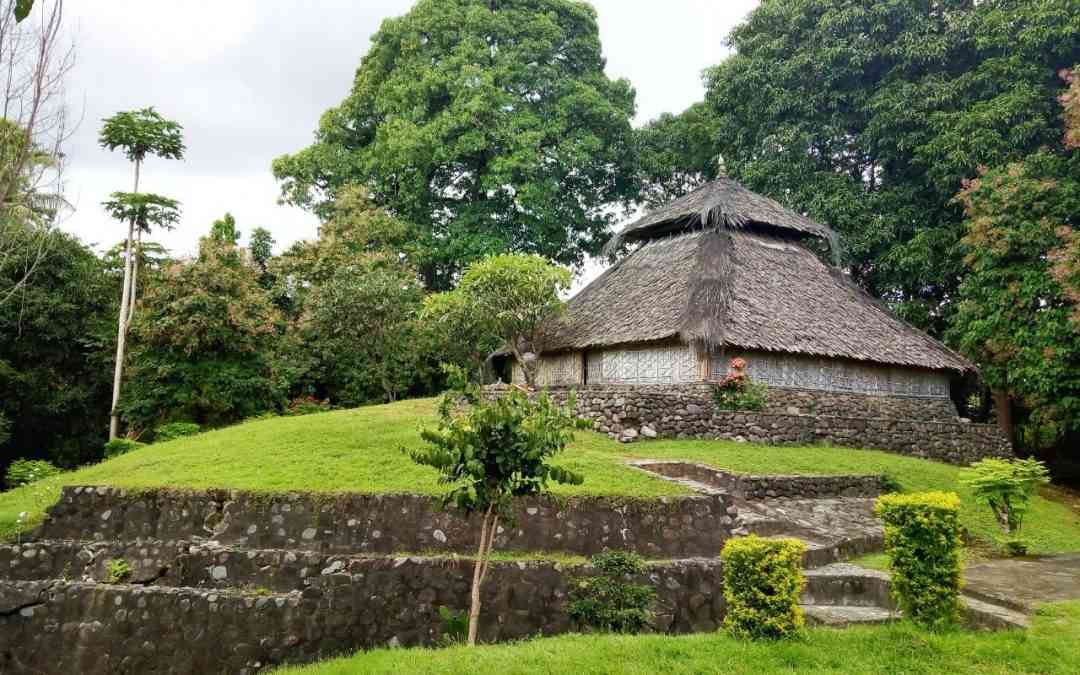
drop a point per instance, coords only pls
(722, 203)
(782, 299)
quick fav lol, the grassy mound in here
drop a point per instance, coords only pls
(1051, 646)
(359, 451)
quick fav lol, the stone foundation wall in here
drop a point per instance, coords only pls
(72, 627)
(783, 401)
(688, 411)
(676, 527)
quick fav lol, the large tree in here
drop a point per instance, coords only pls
(868, 115)
(203, 343)
(488, 126)
(1019, 309)
(55, 346)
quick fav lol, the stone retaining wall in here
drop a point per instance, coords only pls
(769, 487)
(675, 527)
(69, 627)
(688, 411)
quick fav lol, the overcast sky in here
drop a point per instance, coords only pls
(248, 79)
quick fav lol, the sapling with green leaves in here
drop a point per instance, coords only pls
(138, 133)
(491, 451)
(1006, 486)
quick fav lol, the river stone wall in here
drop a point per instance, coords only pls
(674, 527)
(94, 629)
(688, 411)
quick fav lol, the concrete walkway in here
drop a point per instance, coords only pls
(1023, 584)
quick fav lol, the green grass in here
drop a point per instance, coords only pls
(358, 451)
(1052, 645)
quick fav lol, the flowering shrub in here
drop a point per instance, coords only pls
(306, 405)
(737, 391)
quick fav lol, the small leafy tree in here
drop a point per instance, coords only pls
(138, 133)
(509, 296)
(491, 451)
(1006, 486)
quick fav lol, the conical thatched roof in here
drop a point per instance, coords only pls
(722, 202)
(782, 299)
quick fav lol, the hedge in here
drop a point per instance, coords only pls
(922, 540)
(763, 579)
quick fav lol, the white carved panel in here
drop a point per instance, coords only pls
(653, 365)
(802, 372)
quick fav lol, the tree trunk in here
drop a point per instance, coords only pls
(1003, 407)
(527, 369)
(479, 569)
(134, 276)
(121, 331)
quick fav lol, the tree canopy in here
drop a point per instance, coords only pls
(868, 116)
(488, 127)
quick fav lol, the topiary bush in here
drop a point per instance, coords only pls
(173, 430)
(25, 471)
(763, 579)
(610, 602)
(922, 540)
(120, 446)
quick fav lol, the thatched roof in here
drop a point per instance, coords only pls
(783, 299)
(721, 202)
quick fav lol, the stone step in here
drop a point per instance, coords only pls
(843, 615)
(981, 614)
(841, 584)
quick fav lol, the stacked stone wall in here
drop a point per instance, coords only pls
(675, 527)
(903, 425)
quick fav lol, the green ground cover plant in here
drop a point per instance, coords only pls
(357, 451)
(1051, 646)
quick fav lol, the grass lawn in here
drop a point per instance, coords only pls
(357, 450)
(1052, 645)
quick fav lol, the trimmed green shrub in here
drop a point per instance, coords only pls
(120, 446)
(1006, 486)
(610, 602)
(25, 471)
(763, 579)
(307, 405)
(922, 540)
(168, 432)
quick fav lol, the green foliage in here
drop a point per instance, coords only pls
(677, 153)
(172, 430)
(56, 337)
(203, 344)
(142, 132)
(610, 602)
(455, 626)
(489, 127)
(25, 471)
(224, 230)
(763, 580)
(461, 337)
(505, 296)
(1019, 309)
(120, 446)
(922, 540)
(22, 8)
(146, 210)
(868, 115)
(1007, 486)
(362, 332)
(497, 449)
(117, 570)
(738, 392)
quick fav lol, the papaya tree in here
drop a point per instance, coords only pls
(137, 133)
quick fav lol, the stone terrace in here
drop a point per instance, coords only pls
(232, 582)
